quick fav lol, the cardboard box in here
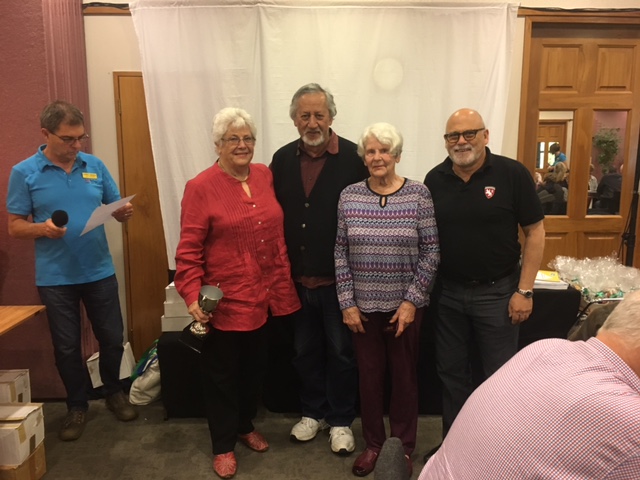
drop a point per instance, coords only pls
(171, 295)
(175, 324)
(15, 386)
(33, 468)
(178, 309)
(21, 431)
(127, 365)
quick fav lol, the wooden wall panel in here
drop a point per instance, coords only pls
(615, 68)
(598, 244)
(560, 68)
(555, 244)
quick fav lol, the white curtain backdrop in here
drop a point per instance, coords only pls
(407, 63)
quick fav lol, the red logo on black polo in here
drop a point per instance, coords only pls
(489, 192)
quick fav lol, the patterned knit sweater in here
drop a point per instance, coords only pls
(386, 247)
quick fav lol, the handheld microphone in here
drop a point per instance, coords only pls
(59, 218)
(391, 464)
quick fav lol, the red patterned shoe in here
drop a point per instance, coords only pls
(254, 441)
(225, 465)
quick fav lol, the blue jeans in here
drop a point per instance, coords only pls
(324, 359)
(101, 302)
(471, 319)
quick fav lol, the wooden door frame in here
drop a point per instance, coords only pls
(529, 110)
(123, 189)
(145, 268)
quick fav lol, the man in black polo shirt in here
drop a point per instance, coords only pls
(484, 288)
(308, 176)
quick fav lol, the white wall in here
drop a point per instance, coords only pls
(112, 46)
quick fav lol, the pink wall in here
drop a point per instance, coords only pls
(43, 58)
(609, 119)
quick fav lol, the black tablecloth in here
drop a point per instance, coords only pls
(554, 313)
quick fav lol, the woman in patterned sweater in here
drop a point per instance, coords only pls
(386, 257)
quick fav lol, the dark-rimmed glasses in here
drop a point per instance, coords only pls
(235, 141)
(468, 135)
(71, 140)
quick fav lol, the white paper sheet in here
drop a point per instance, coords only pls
(103, 213)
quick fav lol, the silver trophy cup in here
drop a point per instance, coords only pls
(194, 334)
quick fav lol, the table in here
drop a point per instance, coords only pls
(181, 389)
(554, 313)
(11, 316)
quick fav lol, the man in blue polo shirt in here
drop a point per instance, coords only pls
(484, 288)
(71, 268)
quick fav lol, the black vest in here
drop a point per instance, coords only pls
(310, 223)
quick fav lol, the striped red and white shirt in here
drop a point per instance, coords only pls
(557, 410)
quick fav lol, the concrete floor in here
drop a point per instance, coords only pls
(179, 448)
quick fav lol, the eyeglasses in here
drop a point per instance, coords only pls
(235, 141)
(71, 140)
(468, 135)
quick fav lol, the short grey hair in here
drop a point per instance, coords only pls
(231, 117)
(59, 112)
(625, 320)
(312, 88)
(386, 134)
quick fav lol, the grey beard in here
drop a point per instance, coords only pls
(313, 143)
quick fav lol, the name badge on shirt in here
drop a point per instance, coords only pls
(89, 176)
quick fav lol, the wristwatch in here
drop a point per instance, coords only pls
(525, 293)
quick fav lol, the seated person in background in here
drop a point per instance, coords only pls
(551, 194)
(562, 175)
(609, 190)
(558, 409)
(555, 150)
(593, 181)
(537, 178)
(593, 187)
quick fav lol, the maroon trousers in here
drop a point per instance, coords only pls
(377, 351)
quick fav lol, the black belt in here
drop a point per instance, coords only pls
(475, 283)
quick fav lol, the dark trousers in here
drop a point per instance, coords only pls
(324, 359)
(468, 318)
(101, 302)
(377, 351)
(233, 365)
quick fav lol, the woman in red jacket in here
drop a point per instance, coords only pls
(232, 236)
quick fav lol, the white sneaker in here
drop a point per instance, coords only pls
(307, 429)
(342, 441)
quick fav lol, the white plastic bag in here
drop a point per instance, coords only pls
(146, 378)
(146, 387)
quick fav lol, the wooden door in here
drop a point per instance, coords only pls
(146, 268)
(591, 68)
